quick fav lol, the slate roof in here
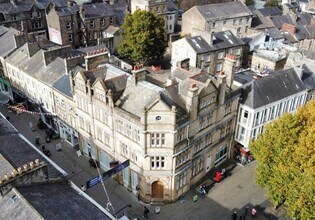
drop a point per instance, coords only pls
(281, 19)
(136, 97)
(274, 33)
(120, 12)
(213, 12)
(220, 40)
(59, 201)
(245, 76)
(95, 10)
(272, 88)
(3, 30)
(63, 85)
(7, 42)
(308, 77)
(303, 18)
(112, 29)
(289, 38)
(35, 67)
(272, 11)
(13, 206)
(6, 128)
(27, 5)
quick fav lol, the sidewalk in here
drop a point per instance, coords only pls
(232, 193)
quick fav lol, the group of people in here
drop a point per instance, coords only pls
(203, 190)
(243, 216)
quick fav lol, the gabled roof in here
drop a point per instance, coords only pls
(272, 11)
(269, 89)
(59, 201)
(213, 12)
(220, 40)
(303, 18)
(308, 77)
(281, 19)
(63, 85)
(7, 42)
(274, 33)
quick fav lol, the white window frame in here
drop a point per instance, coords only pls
(157, 163)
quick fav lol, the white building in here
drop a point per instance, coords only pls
(265, 99)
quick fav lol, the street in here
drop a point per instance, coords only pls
(232, 194)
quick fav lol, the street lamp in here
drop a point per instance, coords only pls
(122, 209)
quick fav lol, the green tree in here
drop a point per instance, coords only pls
(143, 37)
(248, 2)
(285, 152)
(271, 3)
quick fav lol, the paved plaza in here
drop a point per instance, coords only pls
(232, 194)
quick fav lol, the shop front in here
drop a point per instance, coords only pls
(242, 155)
(67, 133)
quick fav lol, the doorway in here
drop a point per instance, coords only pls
(157, 190)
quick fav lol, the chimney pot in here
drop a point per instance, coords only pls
(25, 167)
(37, 162)
(6, 176)
(13, 173)
(19, 169)
(32, 165)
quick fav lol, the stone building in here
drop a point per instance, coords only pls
(173, 131)
(207, 52)
(28, 16)
(233, 16)
(83, 25)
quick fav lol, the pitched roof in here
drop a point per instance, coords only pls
(213, 12)
(59, 201)
(7, 42)
(63, 85)
(220, 40)
(272, 11)
(95, 10)
(308, 77)
(274, 33)
(278, 21)
(272, 88)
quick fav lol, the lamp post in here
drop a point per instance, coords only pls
(122, 209)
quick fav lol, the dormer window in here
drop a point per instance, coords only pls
(92, 24)
(69, 25)
(102, 21)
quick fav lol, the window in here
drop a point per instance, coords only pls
(36, 24)
(220, 55)
(238, 51)
(13, 18)
(207, 58)
(170, 27)
(221, 155)
(69, 25)
(157, 162)
(224, 22)
(124, 149)
(240, 21)
(157, 140)
(102, 22)
(181, 180)
(197, 166)
(219, 67)
(136, 134)
(238, 30)
(213, 25)
(70, 38)
(182, 158)
(234, 21)
(181, 134)
(111, 20)
(120, 126)
(92, 24)
(39, 14)
(242, 133)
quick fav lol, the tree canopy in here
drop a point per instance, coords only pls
(285, 152)
(143, 37)
(271, 3)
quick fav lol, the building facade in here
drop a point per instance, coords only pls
(83, 25)
(233, 16)
(172, 135)
(264, 100)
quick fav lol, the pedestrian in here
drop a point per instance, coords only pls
(242, 217)
(146, 212)
(83, 188)
(234, 216)
(246, 210)
(253, 212)
(8, 117)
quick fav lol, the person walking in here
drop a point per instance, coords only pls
(246, 210)
(83, 188)
(234, 216)
(146, 212)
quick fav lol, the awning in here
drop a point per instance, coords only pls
(5, 82)
(4, 99)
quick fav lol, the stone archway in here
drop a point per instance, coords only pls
(157, 190)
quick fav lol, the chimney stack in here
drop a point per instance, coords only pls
(221, 83)
(192, 101)
(229, 68)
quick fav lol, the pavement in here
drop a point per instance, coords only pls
(232, 194)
